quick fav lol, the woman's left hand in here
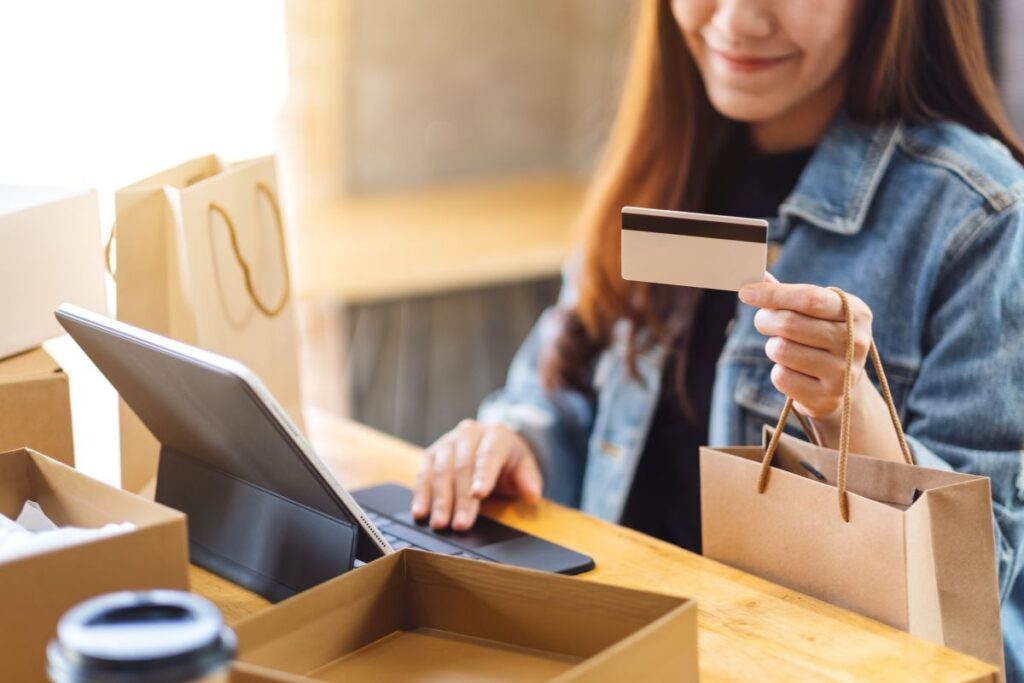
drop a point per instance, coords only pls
(806, 332)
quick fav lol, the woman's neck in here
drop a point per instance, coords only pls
(804, 125)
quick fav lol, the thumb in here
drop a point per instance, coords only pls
(768, 277)
(528, 479)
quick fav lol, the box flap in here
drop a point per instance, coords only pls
(318, 626)
(72, 498)
(15, 488)
(525, 608)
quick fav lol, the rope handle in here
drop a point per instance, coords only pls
(268, 310)
(108, 247)
(844, 425)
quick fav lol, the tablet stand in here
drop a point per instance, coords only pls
(254, 537)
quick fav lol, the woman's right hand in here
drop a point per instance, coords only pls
(465, 466)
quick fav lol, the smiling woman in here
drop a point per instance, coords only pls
(870, 135)
(754, 72)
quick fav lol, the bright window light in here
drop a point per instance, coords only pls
(106, 92)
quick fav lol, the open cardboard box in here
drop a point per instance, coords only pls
(36, 590)
(416, 616)
(35, 406)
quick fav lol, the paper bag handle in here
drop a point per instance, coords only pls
(268, 310)
(108, 247)
(844, 424)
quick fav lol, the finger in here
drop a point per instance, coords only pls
(807, 391)
(466, 504)
(490, 460)
(802, 329)
(442, 486)
(768, 277)
(528, 479)
(421, 497)
(811, 300)
(824, 366)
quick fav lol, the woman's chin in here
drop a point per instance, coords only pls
(746, 107)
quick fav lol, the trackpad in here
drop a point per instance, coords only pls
(393, 501)
(529, 552)
(488, 538)
(485, 532)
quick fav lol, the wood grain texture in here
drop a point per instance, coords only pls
(750, 629)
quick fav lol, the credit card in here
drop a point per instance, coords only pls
(693, 249)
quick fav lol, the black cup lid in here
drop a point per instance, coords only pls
(153, 636)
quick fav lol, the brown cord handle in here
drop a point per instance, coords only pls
(108, 247)
(268, 310)
(844, 425)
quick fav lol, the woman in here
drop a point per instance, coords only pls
(871, 135)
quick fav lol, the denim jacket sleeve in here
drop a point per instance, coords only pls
(556, 423)
(964, 410)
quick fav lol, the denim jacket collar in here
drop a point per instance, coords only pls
(836, 189)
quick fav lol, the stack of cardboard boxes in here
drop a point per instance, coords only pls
(51, 252)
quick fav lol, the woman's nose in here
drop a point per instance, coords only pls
(736, 20)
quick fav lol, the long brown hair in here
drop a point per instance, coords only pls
(912, 61)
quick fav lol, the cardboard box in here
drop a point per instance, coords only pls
(35, 406)
(416, 616)
(51, 252)
(36, 590)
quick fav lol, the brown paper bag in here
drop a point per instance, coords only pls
(201, 258)
(909, 546)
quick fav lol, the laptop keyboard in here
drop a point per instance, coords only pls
(400, 537)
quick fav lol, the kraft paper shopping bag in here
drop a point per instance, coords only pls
(201, 258)
(909, 546)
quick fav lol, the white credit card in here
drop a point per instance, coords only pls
(693, 249)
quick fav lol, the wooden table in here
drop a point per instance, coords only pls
(750, 629)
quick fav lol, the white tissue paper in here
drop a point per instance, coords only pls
(33, 532)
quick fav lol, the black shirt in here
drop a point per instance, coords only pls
(664, 500)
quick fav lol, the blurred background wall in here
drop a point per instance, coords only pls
(456, 90)
(449, 156)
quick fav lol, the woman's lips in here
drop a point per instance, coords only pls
(747, 63)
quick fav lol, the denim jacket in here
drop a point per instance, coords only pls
(926, 225)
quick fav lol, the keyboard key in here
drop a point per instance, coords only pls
(426, 541)
(378, 520)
